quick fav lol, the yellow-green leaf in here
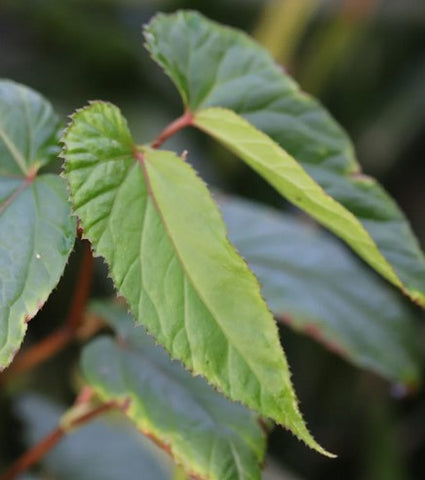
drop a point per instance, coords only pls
(216, 66)
(289, 178)
(314, 284)
(155, 223)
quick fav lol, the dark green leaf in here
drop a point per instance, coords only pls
(313, 283)
(216, 66)
(28, 130)
(207, 434)
(100, 450)
(36, 229)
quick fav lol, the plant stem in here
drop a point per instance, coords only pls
(184, 121)
(85, 395)
(33, 455)
(39, 353)
(57, 340)
(82, 289)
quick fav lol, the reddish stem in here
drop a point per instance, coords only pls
(33, 455)
(82, 289)
(184, 121)
(57, 340)
(92, 414)
(16, 193)
(85, 395)
(39, 353)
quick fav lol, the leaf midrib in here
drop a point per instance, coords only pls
(14, 152)
(26, 182)
(139, 156)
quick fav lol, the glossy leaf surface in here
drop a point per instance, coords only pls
(213, 65)
(207, 434)
(100, 450)
(155, 223)
(36, 229)
(316, 286)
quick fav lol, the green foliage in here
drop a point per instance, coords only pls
(36, 228)
(125, 452)
(216, 66)
(140, 209)
(153, 220)
(304, 272)
(291, 180)
(210, 436)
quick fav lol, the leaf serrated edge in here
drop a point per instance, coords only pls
(148, 429)
(295, 401)
(29, 315)
(394, 278)
(353, 168)
(313, 443)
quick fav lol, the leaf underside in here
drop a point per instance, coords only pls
(304, 272)
(207, 434)
(155, 223)
(193, 50)
(36, 228)
(105, 449)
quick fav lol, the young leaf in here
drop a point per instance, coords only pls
(304, 272)
(216, 66)
(100, 450)
(36, 228)
(207, 434)
(155, 223)
(289, 178)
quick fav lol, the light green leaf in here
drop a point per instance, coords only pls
(36, 228)
(106, 449)
(316, 286)
(290, 179)
(208, 435)
(213, 65)
(155, 223)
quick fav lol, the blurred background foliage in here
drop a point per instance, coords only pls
(365, 60)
